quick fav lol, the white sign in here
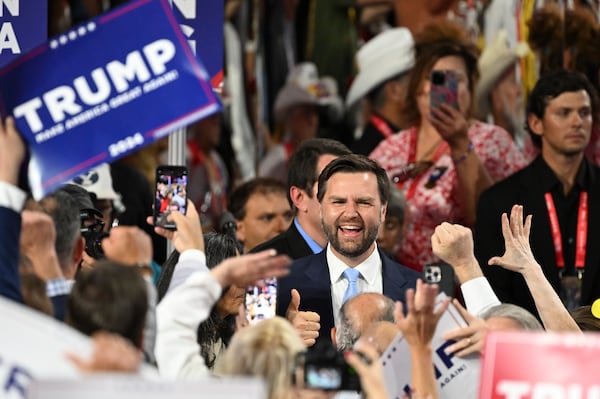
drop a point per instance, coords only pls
(456, 377)
(122, 387)
(34, 346)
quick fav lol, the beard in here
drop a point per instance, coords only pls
(351, 248)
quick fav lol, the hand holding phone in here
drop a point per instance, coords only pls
(170, 194)
(442, 275)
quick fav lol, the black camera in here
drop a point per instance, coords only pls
(325, 368)
(92, 230)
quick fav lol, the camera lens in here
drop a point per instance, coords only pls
(438, 78)
(93, 243)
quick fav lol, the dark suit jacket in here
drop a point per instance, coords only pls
(10, 234)
(526, 188)
(290, 243)
(310, 276)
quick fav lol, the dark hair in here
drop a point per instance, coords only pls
(355, 163)
(260, 185)
(552, 85)
(218, 247)
(376, 96)
(64, 211)
(585, 319)
(435, 41)
(109, 297)
(302, 166)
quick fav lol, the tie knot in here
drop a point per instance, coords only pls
(351, 274)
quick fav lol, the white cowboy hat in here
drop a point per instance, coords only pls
(303, 86)
(494, 60)
(388, 54)
(99, 182)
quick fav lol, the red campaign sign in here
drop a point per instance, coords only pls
(526, 365)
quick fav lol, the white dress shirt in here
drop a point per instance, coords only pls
(370, 279)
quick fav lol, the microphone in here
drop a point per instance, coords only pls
(228, 225)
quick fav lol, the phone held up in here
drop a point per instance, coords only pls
(170, 194)
(443, 89)
(261, 301)
(442, 275)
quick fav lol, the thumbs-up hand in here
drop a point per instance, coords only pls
(306, 323)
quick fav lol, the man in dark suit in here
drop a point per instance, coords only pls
(305, 235)
(353, 192)
(560, 189)
(12, 151)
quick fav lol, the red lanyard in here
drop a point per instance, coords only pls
(581, 239)
(382, 126)
(412, 159)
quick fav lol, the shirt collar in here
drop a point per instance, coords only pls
(550, 182)
(368, 269)
(312, 244)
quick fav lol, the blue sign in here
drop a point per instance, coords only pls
(23, 26)
(201, 21)
(104, 89)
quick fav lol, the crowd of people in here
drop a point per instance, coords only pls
(361, 177)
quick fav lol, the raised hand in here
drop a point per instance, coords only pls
(128, 245)
(518, 255)
(189, 230)
(418, 326)
(306, 323)
(468, 339)
(246, 270)
(12, 151)
(453, 243)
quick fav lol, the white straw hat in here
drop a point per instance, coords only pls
(388, 54)
(99, 182)
(303, 86)
(494, 60)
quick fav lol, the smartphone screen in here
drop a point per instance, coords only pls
(327, 378)
(441, 274)
(170, 194)
(443, 89)
(261, 301)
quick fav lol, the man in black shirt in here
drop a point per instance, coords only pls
(561, 189)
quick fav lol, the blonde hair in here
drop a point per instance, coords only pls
(267, 350)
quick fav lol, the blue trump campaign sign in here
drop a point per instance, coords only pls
(23, 26)
(201, 21)
(102, 90)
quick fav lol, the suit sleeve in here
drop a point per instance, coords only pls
(283, 296)
(10, 233)
(489, 242)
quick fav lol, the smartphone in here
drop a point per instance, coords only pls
(443, 89)
(441, 274)
(261, 301)
(170, 193)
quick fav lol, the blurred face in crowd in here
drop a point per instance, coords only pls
(267, 215)
(457, 66)
(566, 126)
(351, 213)
(303, 122)
(312, 204)
(507, 101)
(390, 234)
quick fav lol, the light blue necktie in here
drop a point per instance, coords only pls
(352, 276)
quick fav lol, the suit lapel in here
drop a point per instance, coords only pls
(394, 282)
(298, 247)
